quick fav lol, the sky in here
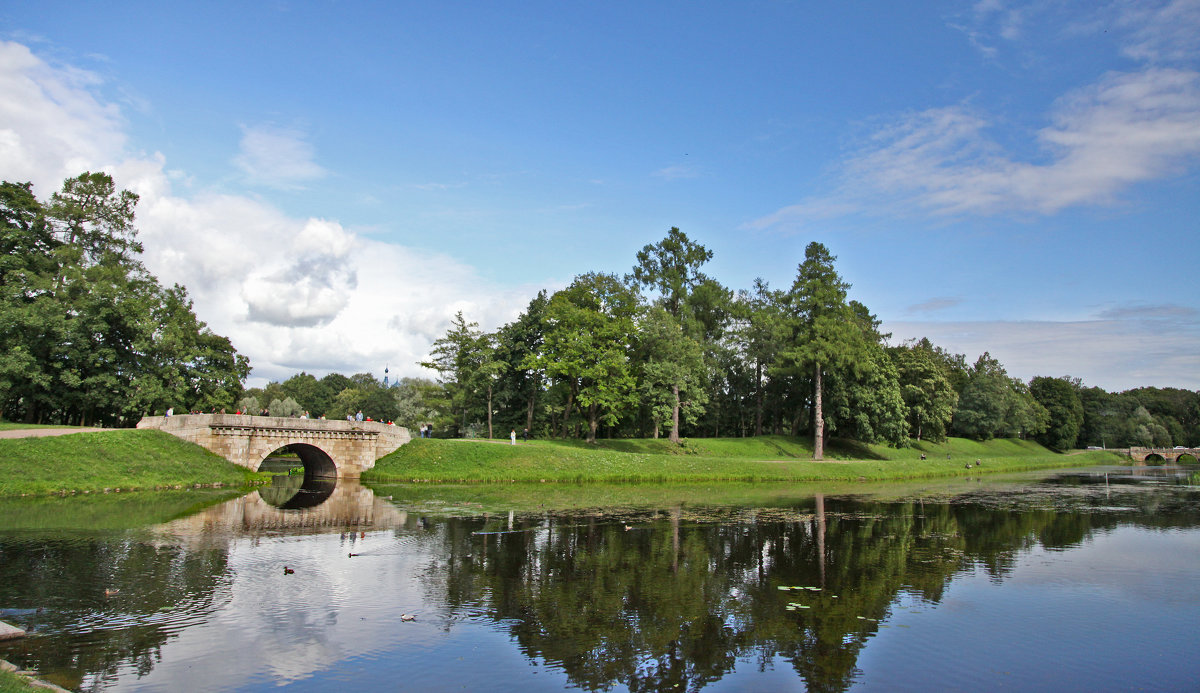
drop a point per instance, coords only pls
(332, 181)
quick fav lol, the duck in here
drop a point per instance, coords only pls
(111, 592)
(408, 617)
(287, 570)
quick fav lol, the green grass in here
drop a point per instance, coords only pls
(12, 682)
(124, 460)
(10, 426)
(767, 458)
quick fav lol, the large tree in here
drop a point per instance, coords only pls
(825, 330)
(926, 388)
(1060, 397)
(89, 334)
(587, 344)
(673, 371)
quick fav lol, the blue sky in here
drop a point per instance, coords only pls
(333, 180)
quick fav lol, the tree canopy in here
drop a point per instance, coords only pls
(87, 334)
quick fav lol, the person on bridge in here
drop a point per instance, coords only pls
(358, 416)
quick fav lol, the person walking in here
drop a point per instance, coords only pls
(512, 435)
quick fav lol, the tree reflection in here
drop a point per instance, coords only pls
(97, 605)
(672, 600)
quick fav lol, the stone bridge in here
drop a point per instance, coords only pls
(1167, 454)
(335, 448)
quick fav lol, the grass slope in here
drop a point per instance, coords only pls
(123, 459)
(767, 458)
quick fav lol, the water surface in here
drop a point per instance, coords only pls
(1086, 580)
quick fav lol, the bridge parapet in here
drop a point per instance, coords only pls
(1168, 454)
(351, 447)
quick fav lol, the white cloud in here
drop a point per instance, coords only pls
(292, 294)
(277, 157)
(51, 127)
(1125, 129)
(1161, 31)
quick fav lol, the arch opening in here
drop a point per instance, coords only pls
(305, 476)
(1155, 459)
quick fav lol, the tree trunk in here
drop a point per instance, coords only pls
(818, 419)
(567, 411)
(758, 404)
(529, 410)
(489, 411)
(674, 437)
(593, 422)
(656, 430)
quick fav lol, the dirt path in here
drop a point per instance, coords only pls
(44, 432)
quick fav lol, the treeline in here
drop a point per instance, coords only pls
(667, 350)
(87, 335)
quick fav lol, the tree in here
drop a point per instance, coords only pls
(1060, 397)
(673, 371)
(88, 334)
(926, 389)
(993, 405)
(824, 331)
(587, 347)
(672, 267)
(762, 332)
(518, 344)
(454, 358)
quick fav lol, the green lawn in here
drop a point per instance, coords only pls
(766, 458)
(124, 459)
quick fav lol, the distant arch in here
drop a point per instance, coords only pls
(1186, 458)
(1155, 459)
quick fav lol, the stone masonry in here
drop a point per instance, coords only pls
(344, 449)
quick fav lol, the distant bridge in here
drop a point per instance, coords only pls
(334, 448)
(1166, 454)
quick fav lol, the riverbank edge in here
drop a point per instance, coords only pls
(13, 677)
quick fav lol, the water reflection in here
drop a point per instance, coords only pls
(667, 595)
(294, 492)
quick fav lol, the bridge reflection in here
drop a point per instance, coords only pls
(326, 507)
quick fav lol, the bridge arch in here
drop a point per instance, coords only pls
(343, 449)
(317, 462)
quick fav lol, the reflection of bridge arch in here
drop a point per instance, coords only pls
(336, 448)
(349, 507)
(1161, 455)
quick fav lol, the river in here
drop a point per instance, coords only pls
(1074, 580)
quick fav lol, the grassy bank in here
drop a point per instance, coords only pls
(12, 682)
(124, 460)
(767, 458)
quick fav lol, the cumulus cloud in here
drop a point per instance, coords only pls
(277, 157)
(51, 126)
(292, 294)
